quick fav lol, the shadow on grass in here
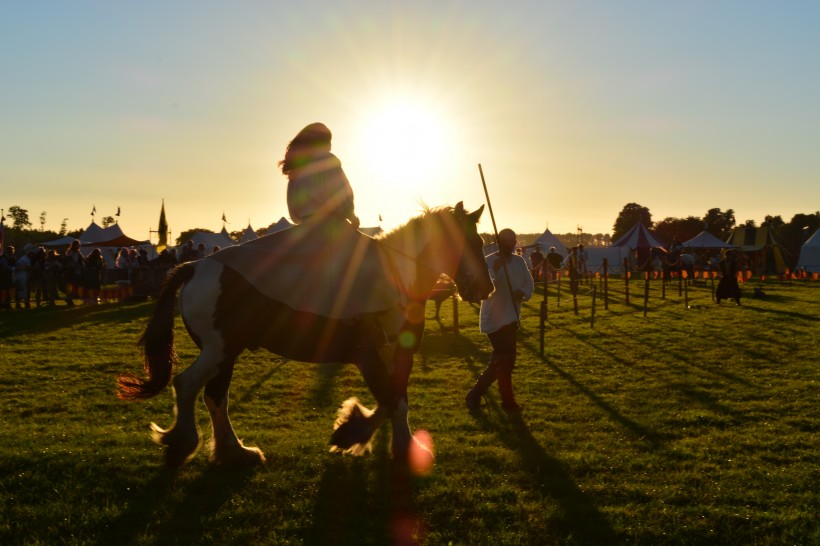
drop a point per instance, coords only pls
(53, 319)
(155, 508)
(640, 432)
(579, 521)
(365, 501)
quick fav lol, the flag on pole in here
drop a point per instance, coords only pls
(162, 230)
(118, 211)
(380, 217)
(2, 233)
(225, 219)
(93, 210)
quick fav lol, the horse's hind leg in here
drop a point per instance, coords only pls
(182, 438)
(226, 447)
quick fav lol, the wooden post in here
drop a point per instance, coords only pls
(594, 297)
(455, 313)
(606, 282)
(680, 280)
(712, 274)
(541, 327)
(626, 279)
(646, 295)
(686, 295)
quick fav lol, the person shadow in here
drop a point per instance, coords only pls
(578, 520)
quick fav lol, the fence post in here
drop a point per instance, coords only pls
(455, 313)
(594, 297)
(646, 294)
(606, 281)
(626, 279)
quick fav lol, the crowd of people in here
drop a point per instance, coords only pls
(40, 276)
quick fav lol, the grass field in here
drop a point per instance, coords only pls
(693, 424)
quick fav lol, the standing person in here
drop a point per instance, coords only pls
(554, 261)
(74, 263)
(537, 261)
(499, 320)
(728, 288)
(582, 261)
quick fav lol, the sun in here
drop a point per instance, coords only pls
(403, 142)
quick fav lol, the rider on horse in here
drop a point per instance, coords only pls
(317, 186)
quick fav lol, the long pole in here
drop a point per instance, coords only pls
(497, 244)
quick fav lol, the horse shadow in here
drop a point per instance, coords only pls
(179, 519)
(364, 502)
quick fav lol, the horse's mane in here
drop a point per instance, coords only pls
(414, 224)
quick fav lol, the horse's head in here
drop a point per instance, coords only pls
(471, 275)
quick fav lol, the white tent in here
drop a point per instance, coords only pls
(546, 240)
(212, 240)
(638, 237)
(810, 254)
(614, 255)
(281, 224)
(248, 235)
(705, 240)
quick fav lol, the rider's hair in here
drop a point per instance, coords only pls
(313, 140)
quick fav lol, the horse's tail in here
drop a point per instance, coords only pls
(157, 342)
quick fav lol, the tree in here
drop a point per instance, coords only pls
(631, 214)
(20, 217)
(188, 233)
(720, 224)
(107, 221)
(43, 221)
(683, 228)
(63, 227)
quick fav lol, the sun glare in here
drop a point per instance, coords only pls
(403, 142)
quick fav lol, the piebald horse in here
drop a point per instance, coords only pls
(225, 314)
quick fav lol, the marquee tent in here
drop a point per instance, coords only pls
(281, 224)
(810, 254)
(639, 240)
(248, 235)
(211, 240)
(706, 241)
(638, 237)
(95, 235)
(546, 240)
(759, 244)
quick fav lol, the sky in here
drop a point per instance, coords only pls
(572, 108)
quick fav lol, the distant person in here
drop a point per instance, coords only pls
(554, 261)
(499, 318)
(537, 262)
(728, 288)
(675, 248)
(582, 261)
(22, 269)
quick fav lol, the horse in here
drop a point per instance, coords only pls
(680, 263)
(225, 314)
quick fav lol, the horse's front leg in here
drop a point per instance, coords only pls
(414, 449)
(226, 448)
(355, 425)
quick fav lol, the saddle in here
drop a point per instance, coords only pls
(329, 269)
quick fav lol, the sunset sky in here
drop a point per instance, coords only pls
(573, 108)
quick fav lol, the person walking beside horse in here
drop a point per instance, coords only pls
(499, 320)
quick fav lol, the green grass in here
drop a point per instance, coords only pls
(692, 425)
